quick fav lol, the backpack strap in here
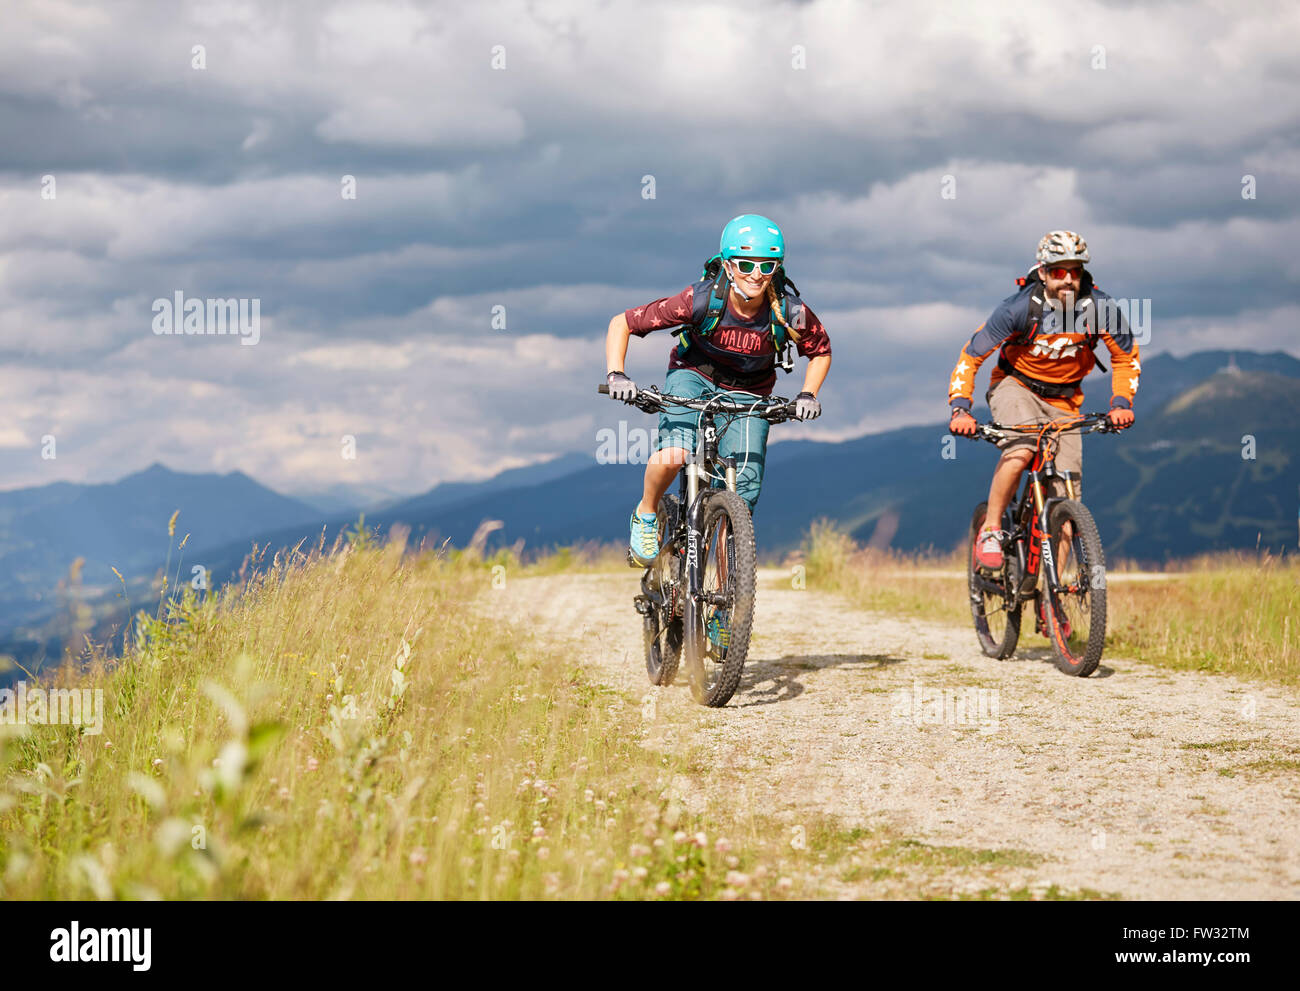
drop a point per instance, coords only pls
(1034, 317)
(719, 289)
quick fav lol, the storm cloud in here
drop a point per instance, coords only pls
(500, 153)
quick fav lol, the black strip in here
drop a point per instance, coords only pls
(1051, 390)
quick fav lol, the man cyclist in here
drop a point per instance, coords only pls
(734, 356)
(1046, 332)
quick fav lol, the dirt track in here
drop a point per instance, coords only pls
(1137, 781)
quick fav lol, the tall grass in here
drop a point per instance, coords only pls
(1231, 612)
(1235, 613)
(355, 726)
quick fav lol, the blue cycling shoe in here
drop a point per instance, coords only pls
(645, 537)
(719, 630)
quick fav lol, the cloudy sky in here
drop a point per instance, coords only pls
(500, 152)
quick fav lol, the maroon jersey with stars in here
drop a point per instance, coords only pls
(737, 351)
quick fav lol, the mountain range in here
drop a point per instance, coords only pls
(1212, 463)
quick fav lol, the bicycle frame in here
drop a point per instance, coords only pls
(702, 465)
(1028, 520)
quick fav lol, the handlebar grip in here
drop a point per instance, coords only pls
(603, 390)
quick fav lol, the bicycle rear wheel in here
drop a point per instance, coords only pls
(993, 604)
(662, 626)
(715, 663)
(1076, 614)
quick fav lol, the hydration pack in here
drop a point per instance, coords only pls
(718, 292)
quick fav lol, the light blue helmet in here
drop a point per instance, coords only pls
(752, 236)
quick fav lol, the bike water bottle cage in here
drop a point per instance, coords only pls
(718, 293)
(1037, 300)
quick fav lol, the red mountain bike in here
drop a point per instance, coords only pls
(1051, 556)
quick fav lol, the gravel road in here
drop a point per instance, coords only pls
(1139, 781)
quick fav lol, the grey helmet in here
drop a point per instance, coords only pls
(1062, 246)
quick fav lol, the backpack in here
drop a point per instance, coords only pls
(718, 293)
(1035, 316)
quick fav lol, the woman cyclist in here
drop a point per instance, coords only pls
(728, 353)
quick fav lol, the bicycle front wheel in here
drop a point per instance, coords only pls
(1076, 614)
(718, 640)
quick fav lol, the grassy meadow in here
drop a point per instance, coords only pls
(350, 725)
(358, 724)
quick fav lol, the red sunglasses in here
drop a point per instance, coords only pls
(1059, 272)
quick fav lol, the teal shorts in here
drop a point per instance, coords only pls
(743, 438)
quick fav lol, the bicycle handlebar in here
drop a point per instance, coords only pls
(651, 400)
(1096, 423)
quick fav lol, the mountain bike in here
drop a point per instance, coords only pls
(1051, 556)
(697, 595)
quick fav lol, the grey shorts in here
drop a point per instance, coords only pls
(1011, 402)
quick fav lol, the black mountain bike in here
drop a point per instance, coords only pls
(697, 596)
(1052, 556)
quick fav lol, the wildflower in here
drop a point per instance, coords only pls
(620, 876)
(700, 840)
(658, 843)
(479, 806)
(636, 851)
(539, 833)
(512, 853)
(785, 884)
(663, 888)
(736, 879)
(639, 873)
(733, 861)
(730, 894)
(600, 806)
(543, 852)
(108, 744)
(157, 762)
(611, 822)
(284, 794)
(588, 795)
(312, 763)
(418, 856)
(722, 845)
(679, 837)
